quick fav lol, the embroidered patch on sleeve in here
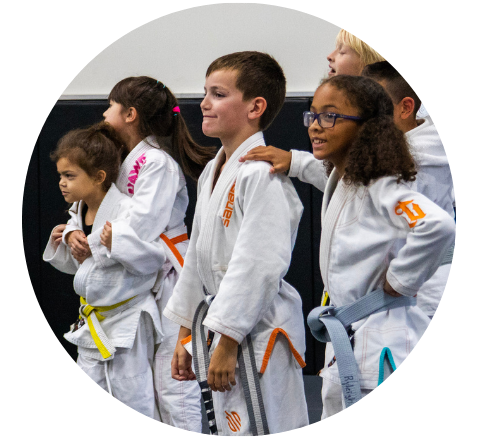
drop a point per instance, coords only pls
(226, 216)
(410, 211)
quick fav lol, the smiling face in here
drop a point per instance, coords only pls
(344, 61)
(225, 113)
(332, 144)
(75, 183)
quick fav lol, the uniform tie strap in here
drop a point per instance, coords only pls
(93, 316)
(247, 370)
(329, 323)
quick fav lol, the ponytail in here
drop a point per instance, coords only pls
(160, 116)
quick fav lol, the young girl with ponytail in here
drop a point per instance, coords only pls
(158, 149)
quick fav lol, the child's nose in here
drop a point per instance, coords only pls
(331, 56)
(204, 103)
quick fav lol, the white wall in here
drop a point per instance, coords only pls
(178, 48)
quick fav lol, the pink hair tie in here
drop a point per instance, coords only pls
(176, 110)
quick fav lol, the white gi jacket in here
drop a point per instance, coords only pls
(241, 244)
(433, 180)
(359, 229)
(103, 280)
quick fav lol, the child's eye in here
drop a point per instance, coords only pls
(219, 95)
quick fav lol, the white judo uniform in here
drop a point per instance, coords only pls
(243, 234)
(433, 180)
(116, 344)
(157, 189)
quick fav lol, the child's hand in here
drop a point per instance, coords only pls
(107, 235)
(78, 244)
(279, 158)
(181, 369)
(57, 233)
(222, 368)
(389, 290)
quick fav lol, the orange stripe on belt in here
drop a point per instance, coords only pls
(270, 346)
(172, 247)
(180, 238)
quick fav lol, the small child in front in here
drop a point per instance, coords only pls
(119, 324)
(244, 230)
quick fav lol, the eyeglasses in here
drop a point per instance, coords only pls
(325, 120)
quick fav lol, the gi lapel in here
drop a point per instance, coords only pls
(130, 167)
(331, 208)
(211, 205)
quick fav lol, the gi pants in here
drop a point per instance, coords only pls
(282, 387)
(130, 372)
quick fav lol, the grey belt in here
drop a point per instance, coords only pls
(328, 323)
(247, 369)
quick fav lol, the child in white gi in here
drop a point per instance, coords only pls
(119, 323)
(244, 230)
(147, 118)
(369, 205)
(433, 171)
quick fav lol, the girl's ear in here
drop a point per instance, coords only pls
(131, 115)
(100, 177)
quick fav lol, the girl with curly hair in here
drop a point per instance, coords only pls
(376, 231)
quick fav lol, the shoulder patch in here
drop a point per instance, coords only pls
(410, 211)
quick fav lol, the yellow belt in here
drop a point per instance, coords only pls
(92, 315)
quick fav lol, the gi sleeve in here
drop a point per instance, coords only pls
(154, 196)
(308, 169)
(429, 232)
(59, 255)
(261, 254)
(188, 292)
(136, 256)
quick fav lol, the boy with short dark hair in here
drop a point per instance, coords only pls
(244, 230)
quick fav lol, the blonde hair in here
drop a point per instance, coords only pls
(365, 52)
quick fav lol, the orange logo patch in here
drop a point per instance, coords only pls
(234, 421)
(412, 213)
(229, 207)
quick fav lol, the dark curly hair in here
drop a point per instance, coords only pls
(93, 149)
(380, 148)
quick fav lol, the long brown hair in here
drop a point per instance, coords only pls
(380, 148)
(154, 104)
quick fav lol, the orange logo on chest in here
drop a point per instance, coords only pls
(226, 216)
(411, 213)
(234, 421)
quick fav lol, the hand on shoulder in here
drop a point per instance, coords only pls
(278, 158)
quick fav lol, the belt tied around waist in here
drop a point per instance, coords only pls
(329, 323)
(93, 316)
(247, 368)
